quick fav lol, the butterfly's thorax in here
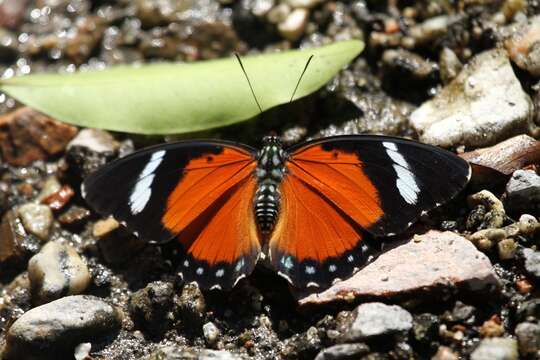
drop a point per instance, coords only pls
(269, 172)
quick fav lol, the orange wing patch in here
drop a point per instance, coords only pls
(221, 245)
(205, 180)
(338, 176)
(313, 241)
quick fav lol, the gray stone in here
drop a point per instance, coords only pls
(181, 353)
(484, 104)
(343, 352)
(53, 330)
(292, 28)
(448, 260)
(36, 219)
(449, 65)
(152, 307)
(523, 192)
(211, 333)
(528, 335)
(95, 140)
(496, 349)
(532, 262)
(56, 271)
(372, 320)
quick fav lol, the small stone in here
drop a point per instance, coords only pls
(172, 352)
(495, 215)
(52, 331)
(528, 310)
(36, 219)
(524, 286)
(448, 260)
(50, 186)
(496, 349)
(27, 135)
(74, 215)
(16, 246)
(306, 4)
(60, 198)
(343, 352)
(104, 227)
(528, 225)
(95, 140)
(445, 353)
(292, 28)
(425, 327)
(192, 305)
(528, 335)
(523, 192)
(491, 328)
(374, 320)
(152, 307)
(523, 45)
(484, 104)
(432, 29)
(462, 313)
(507, 249)
(211, 333)
(532, 262)
(56, 271)
(279, 13)
(449, 65)
(82, 351)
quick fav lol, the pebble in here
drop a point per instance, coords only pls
(445, 353)
(56, 271)
(448, 260)
(211, 333)
(495, 215)
(292, 28)
(104, 227)
(343, 351)
(95, 140)
(279, 13)
(60, 198)
(50, 186)
(306, 4)
(528, 336)
(192, 305)
(82, 351)
(27, 135)
(449, 65)
(152, 307)
(74, 215)
(523, 44)
(15, 245)
(37, 219)
(172, 352)
(523, 192)
(491, 328)
(53, 330)
(507, 156)
(408, 65)
(373, 320)
(532, 262)
(425, 327)
(485, 95)
(496, 349)
(507, 249)
(431, 29)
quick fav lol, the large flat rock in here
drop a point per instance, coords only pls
(422, 264)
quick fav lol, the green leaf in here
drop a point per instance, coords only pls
(178, 98)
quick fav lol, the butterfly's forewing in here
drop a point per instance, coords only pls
(379, 184)
(186, 190)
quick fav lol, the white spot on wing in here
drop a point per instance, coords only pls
(310, 270)
(199, 271)
(220, 273)
(141, 193)
(405, 182)
(332, 268)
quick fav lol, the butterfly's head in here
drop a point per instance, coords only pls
(271, 140)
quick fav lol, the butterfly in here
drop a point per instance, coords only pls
(308, 209)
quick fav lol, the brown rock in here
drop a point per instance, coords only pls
(60, 198)
(504, 158)
(16, 246)
(74, 215)
(523, 45)
(27, 135)
(447, 259)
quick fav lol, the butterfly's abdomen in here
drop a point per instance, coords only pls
(270, 171)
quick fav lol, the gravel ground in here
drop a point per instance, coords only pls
(459, 74)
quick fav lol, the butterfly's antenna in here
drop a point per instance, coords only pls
(300, 79)
(249, 82)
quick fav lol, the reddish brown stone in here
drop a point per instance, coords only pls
(422, 264)
(27, 135)
(60, 198)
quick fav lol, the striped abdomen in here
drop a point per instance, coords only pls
(267, 199)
